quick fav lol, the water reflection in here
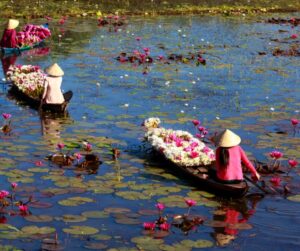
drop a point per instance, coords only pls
(7, 61)
(52, 125)
(231, 217)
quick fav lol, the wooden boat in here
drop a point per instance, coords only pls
(35, 103)
(18, 50)
(204, 178)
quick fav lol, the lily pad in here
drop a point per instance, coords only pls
(35, 230)
(39, 218)
(75, 201)
(295, 198)
(96, 214)
(81, 230)
(72, 218)
(95, 245)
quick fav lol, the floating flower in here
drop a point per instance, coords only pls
(60, 146)
(190, 202)
(160, 206)
(149, 225)
(38, 163)
(294, 36)
(6, 115)
(88, 147)
(14, 185)
(78, 156)
(293, 163)
(3, 194)
(164, 226)
(275, 181)
(276, 154)
(294, 121)
(138, 39)
(23, 208)
(196, 122)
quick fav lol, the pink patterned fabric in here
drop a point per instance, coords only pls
(234, 169)
(52, 92)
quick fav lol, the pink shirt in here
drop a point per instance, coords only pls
(234, 169)
(9, 39)
(52, 93)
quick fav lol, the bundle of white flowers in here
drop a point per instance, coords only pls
(180, 147)
(28, 78)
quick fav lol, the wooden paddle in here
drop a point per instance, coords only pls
(255, 184)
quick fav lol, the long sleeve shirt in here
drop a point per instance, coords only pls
(52, 92)
(234, 170)
(9, 39)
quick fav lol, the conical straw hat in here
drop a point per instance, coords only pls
(228, 139)
(12, 24)
(54, 70)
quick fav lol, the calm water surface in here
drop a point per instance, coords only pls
(252, 94)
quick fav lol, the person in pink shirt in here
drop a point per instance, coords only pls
(229, 159)
(52, 92)
(9, 39)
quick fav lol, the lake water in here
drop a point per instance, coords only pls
(254, 95)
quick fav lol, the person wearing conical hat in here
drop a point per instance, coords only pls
(229, 158)
(9, 39)
(52, 92)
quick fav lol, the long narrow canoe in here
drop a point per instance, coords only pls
(203, 177)
(18, 50)
(35, 103)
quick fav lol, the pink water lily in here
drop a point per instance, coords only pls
(14, 185)
(3, 194)
(276, 154)
(149, 225)
(38, 163)
(23, 208)
(160, 206)
(293, 163)
(60, 145)
(164, 226)
(294, 36)
(78, 156)
(190, 202)
(6, 115)
(275, 181)
(294, 121)
(196, 122)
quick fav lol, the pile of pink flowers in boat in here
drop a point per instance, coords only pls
(28, 78)
(32, 34)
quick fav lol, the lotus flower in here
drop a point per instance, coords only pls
(276, 154)
(190, 202)
(6, 115)
(294, 36)
(196, 122)
(293, 163)
(149, 225)
(3, 194)
(164, 226)
(294, 121)
(60, 146)
(23, 208)
(14, 185)
(160, 206)
(275, 181)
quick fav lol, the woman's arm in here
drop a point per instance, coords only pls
(45, 89)
(248, 164)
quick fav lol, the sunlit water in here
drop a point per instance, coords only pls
(252, 94)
